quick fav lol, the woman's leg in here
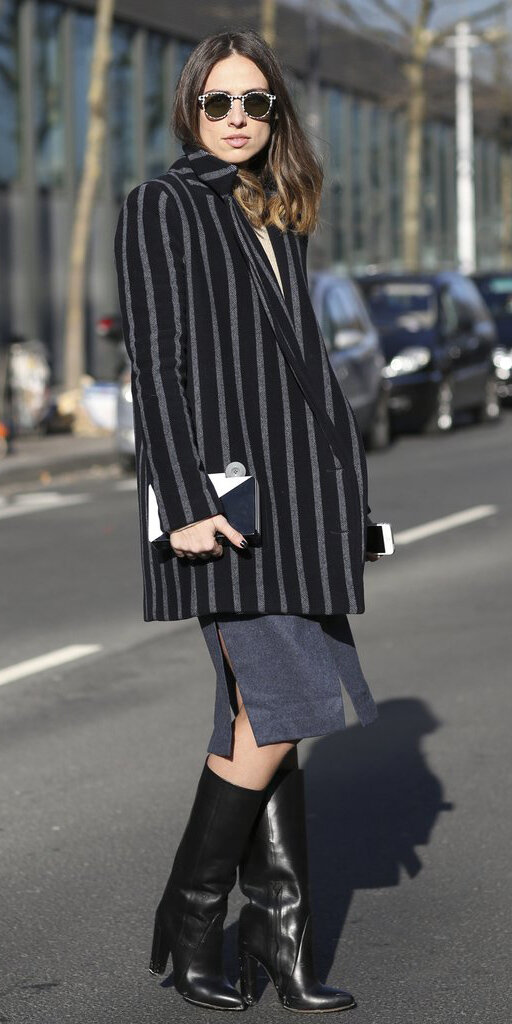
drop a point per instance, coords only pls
(249, 765)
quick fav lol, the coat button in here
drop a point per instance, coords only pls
(235, 469)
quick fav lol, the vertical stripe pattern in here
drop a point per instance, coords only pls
(228, 366)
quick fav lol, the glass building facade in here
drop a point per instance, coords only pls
(45, 58)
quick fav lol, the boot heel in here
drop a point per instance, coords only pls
(248, 978)
(160, 951)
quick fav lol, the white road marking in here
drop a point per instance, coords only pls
(126, 485)
(468, 515)
(45, 661)
(25, 504)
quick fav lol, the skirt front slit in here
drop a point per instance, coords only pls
(289, 670)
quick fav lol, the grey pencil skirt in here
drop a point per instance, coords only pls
(289, 670)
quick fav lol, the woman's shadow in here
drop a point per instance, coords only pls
(371, 799)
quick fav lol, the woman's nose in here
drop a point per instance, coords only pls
(237, 115)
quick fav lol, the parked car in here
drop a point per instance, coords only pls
(496, 289)
(438, 338)
(110, 329)
(125, 436)
(353, 347)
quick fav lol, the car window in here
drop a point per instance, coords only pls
(361, 305)
(448, 312)
(497, 292)
(341, 310)
(408, 304)
(468, 300)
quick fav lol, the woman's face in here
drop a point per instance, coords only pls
(235, 74)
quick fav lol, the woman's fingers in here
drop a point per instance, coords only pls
(198, 540)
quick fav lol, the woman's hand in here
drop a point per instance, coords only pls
(372, 557)
(198, 539)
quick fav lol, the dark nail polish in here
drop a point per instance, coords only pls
(243, 543)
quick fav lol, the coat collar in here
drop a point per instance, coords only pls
(218, 174)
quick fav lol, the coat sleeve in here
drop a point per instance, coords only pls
(152, 297)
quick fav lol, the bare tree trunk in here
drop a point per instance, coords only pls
(268, 21)
(412, 168)
(506, 207)
(96, 129)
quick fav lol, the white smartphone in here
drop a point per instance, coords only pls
(379, 539)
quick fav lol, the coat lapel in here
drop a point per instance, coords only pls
(220, 175)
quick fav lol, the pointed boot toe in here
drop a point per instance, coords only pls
(189, 918)
(275, 928)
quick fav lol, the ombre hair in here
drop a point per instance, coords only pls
(287, 166)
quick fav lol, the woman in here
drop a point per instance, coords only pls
(228, 364)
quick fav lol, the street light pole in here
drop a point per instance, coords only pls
(462, 43)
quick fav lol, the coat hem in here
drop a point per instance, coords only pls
(254, 611)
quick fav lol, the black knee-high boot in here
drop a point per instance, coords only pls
(275, 927)
(190, 916)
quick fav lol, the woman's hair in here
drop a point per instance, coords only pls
(288, 165)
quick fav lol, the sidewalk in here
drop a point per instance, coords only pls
(36, 456)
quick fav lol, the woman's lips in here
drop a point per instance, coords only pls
(238, 141)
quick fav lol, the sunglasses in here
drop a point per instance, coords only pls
(216, 104)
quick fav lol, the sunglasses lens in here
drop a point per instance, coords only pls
(257, 104)
(216, 104)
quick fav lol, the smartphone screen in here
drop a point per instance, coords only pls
(379, 539)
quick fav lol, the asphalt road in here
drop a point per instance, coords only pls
(409, 819)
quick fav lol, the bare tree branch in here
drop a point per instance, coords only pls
(426, 9)
(351, 12)
(395, 14)
(487, 12)
(443, 34)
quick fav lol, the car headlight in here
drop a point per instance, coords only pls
(502, 359)
(409, 360)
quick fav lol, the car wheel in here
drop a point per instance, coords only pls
(490, 409)
(441, 419)
(378, 437)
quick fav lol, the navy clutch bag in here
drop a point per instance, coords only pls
(240, 497)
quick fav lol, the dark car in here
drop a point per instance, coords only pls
(352, 344)
(438, 338)
(354, 351)
(496, 289)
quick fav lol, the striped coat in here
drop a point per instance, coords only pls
(225, 368)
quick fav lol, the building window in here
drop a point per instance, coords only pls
(337, 175)
(121, 131)
(83, 33)
(157, 150)
(446, 198)
(429, 195)
(376, 184)
(49, 93)
(396, 151)
(9, 92)
(357, 181)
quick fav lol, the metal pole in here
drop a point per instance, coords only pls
(466, 245)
